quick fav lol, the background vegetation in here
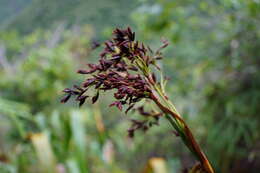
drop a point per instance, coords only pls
(212, 62)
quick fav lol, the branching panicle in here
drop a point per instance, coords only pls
(126, 67)
(117, 68)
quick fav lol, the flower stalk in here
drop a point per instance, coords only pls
(128, 68)
(185, 133)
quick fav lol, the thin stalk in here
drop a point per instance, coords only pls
(178, 123)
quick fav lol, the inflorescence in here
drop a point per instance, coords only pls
(124, 67)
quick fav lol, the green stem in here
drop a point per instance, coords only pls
(185, 133)
(180, 132)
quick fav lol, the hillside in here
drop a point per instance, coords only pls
(10, 8)
(45, 13)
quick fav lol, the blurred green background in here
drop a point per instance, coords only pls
(213, 64)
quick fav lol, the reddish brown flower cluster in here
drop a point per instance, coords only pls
(151, 119)
(121, 67)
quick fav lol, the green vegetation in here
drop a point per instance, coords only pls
(47, 13)
(9, 9)
(212, 62)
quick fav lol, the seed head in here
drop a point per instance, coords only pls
(123, 67)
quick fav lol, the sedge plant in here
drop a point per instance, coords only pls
(129, 68)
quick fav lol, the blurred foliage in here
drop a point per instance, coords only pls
(213, 64)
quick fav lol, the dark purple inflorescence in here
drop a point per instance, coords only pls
(121, 68)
